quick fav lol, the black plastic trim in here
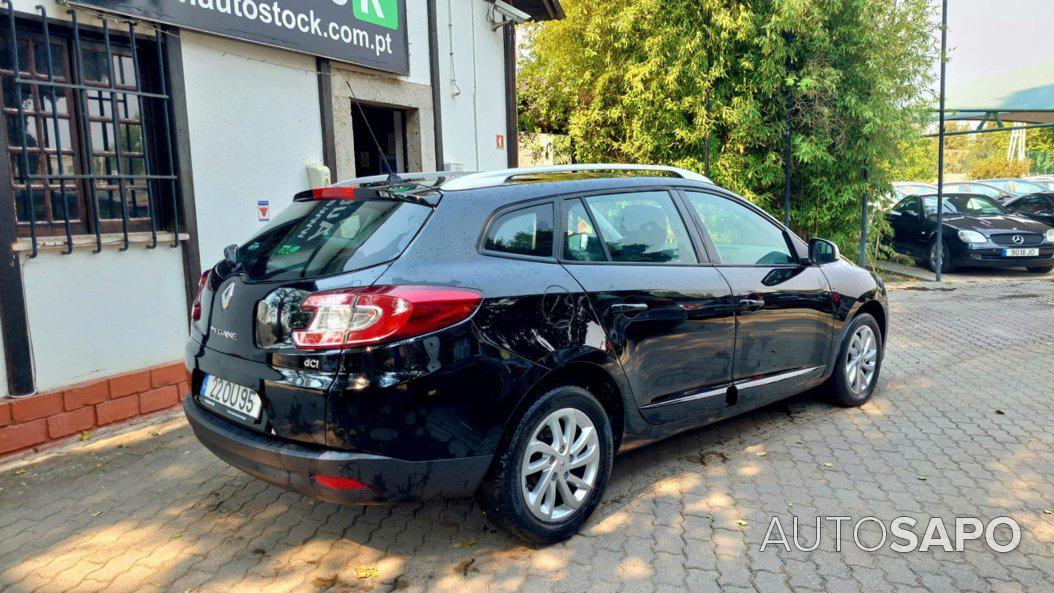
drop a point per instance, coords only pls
(291, 465)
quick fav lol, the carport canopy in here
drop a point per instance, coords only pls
(1022, 97)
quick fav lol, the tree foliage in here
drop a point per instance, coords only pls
(973, 156)
(995, 167)
(651, 81)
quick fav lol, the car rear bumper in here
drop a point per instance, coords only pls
(293, 466)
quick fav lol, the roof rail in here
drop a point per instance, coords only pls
(500, 177)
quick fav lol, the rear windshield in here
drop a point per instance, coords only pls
(325, 237)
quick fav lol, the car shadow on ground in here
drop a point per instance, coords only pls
(191, 522)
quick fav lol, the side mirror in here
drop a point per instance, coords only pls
(822, 251)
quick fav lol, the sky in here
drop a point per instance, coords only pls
(989, 37)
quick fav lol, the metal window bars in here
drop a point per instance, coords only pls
(49, 87)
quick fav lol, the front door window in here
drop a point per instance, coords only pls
(741, 236)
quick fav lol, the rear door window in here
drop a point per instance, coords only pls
(325, 237)
(642, 227)
(523, 232)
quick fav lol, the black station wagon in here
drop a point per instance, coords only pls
(505, 334)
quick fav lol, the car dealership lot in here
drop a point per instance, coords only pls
(961, 426)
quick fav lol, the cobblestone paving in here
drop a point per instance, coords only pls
(962, 425)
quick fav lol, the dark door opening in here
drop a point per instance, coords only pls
(389, 127)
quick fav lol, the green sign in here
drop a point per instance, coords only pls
(384, 13)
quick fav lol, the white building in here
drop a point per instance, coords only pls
(224, 106)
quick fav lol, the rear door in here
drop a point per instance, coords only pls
(784, 312)
(667, 314)
(313, 245)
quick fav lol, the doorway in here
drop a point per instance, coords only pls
(389, 128)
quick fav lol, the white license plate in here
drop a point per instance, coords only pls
(235, 399)
(1021, 252)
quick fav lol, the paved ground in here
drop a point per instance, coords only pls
(962, 425)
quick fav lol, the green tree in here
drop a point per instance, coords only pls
(651, 80)
(917, 160)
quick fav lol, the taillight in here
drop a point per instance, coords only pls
(195, 309)
(363, 316)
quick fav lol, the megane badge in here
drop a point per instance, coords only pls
(228, 296)
(1017, 239)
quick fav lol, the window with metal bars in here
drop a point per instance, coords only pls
(87, 128)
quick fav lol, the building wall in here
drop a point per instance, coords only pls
(473, 85)
(472, 91)
(108, 329)
(255, 124)
(94, 315)
(85, 309)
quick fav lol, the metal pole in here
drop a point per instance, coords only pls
(940, 145)
(706, 161)
(706, 106)
(787, 144)
(787, 168)
(863, 221)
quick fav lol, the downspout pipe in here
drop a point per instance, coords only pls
(437, 104)
(512, 144)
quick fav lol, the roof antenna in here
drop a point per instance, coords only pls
(393, 179)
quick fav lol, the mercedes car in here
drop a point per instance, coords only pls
(976, 231)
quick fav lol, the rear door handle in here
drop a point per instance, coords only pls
(625, 308)
(751, 305)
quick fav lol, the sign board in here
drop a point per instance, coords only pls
(369, 33)
(263, 210)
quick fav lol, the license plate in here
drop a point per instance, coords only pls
(239, 401)
(1021, 252)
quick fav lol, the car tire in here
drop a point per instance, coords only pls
(1040, 269)
(846, 388)
(551, 516)
(947, 266)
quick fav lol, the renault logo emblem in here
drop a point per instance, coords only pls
(1018, 239)
(228, 296)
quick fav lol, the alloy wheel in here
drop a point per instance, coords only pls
(560, 465)
(861, 361)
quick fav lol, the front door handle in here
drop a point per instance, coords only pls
(751, 305)
(625, 308)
